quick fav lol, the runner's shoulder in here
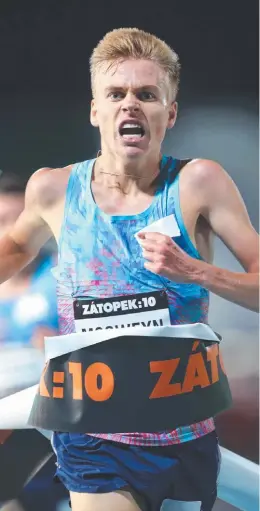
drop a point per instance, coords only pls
(47, 186)
(200, 171)
(207, 183)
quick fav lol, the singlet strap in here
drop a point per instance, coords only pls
(170, 169)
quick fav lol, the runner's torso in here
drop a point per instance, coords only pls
(99, 257)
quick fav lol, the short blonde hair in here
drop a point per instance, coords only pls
(132, 43)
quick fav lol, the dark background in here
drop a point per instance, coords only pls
(44, 77)
(44, 121)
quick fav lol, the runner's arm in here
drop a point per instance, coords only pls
(225, 211)
(219, 201)
(24, 240)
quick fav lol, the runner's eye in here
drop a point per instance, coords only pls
(116, 95)
(146, 95)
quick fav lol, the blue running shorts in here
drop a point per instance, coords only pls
(185, 472)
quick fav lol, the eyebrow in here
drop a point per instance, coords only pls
(140, 88)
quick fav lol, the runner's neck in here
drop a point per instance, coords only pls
(127, 177)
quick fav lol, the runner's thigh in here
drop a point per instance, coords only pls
(114, 501)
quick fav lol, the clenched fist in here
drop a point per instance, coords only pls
(165, 258)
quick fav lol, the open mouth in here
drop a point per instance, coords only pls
(131, 130)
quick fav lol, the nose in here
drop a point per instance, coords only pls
(130, 103)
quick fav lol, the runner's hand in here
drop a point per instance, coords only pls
(165, 258)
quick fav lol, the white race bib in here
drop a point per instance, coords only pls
(140, 310)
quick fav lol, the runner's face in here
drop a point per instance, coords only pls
(132, 108)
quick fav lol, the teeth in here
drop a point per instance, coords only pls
(130, 135)
(131, 129)
(131, 125)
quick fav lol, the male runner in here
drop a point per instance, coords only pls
(95, 209)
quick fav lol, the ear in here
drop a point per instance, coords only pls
(173, 110)
(93, 114)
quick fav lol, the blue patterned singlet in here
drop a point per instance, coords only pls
(99, 257)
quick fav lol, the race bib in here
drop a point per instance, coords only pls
(140, 310)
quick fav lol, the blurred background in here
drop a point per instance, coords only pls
(44, 104)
